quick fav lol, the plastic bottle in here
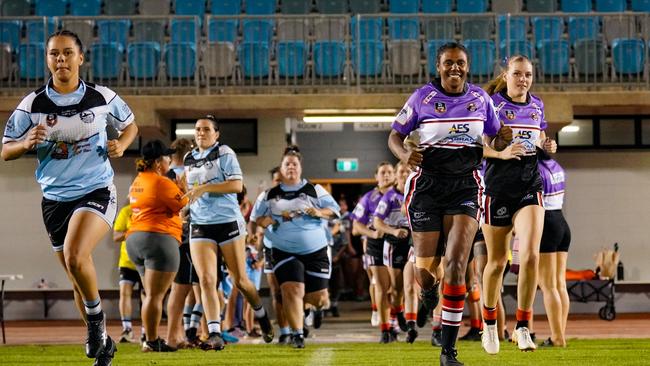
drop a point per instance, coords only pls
(620, 270)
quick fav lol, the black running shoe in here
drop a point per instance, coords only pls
(298, 341)
(401, 320)
(386, 337)
(428, 301)
(214, 341)
(473, 334)
(267, 328)
(547, 343)
(411, 333)
(436, 338)
(334, 310)
(533, 337)
(305, 332)
(284, 339)
(318, 318)
(192, 338)
(393, 335)
(448, 358)
(105, 355)
(158, 345)
(95, 340)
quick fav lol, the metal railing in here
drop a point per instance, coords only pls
(328, 53)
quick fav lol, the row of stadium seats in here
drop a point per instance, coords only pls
(235, 7)
(188, 29)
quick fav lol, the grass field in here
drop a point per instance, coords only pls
(580, 352)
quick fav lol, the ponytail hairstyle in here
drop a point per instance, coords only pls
(292, 150)
(182, 147)
(142, 165)
(499, 83)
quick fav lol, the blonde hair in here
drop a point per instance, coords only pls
(499, 83)
(142, 165)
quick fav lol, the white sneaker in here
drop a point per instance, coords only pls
(490, 339)
(521, 336)
(309, 319)
(374, 319)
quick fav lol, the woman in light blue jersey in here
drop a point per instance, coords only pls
(294, 209)
(217, 226)
(65, 122)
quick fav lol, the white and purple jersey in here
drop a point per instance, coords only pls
(389, 209)
(450, 126)
(365, 209)
(553, 181)
(512, 178)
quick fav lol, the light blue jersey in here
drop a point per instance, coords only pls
(265, 240)
(294, 231)
(215, 165)
(73, 159)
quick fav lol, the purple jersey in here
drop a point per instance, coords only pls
(366, 207)
(553, 181)
(450, 126)
(389, 209)
(512, 178)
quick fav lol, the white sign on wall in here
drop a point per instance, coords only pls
(301, 126)
(371, 126)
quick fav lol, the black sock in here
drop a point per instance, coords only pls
(521, 323)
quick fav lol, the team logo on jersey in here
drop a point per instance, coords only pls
(11, 126)
(510, 114)
(60, 151)
(87, 116)
(404, 115)
(440, 107)
(428, 98)
(471, 107)
(51, 120)
(534, 117)
(459, 128)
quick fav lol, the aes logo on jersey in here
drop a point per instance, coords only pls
(51, 120)
(440, 107)
(510, 114)
(87, 116)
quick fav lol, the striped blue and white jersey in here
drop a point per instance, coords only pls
(73, 159)
(215, 165)
(265, 241)
(294, 231)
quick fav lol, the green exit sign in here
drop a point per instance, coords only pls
(347, 165)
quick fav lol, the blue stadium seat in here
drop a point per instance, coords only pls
(50, 8)
(369, 28)
(15, 8)
(613, 6)
(547, 28)
(295, 7)
(628, 55)
(143, 59)
(180, 59)
(225, 7)
(106, 60)
(257, 30)
(260, 7)
(404, 6)
(432, 53)
(541, 6)
(553, 57)
(85, 7)
(641, 5)
(31, 61)
(291, 57)
(483, 56)
(220, 30)
(365, 6)
(471, 6)
(403, 28)
(10, 33)
(332, 6)
(369, 60)
(514, 27)
(576, 6)
(36, 29)
(190, 7)
(436, 6)
(329, 58)
(516, 47)
(583, 28)
(183, 30)
(113, 31)
(119, 7)
(254, 59)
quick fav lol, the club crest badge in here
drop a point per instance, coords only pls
(534, 117)
(440, 107)
(87, 116)
(510, 114)
(51, 120)
(471, 107)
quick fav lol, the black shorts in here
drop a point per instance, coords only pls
(429, 198)
(186, 274)
(57, 214)
(556, 236)
(500, 212)
(130, 276)
(217, 233)
(268, 259)
(396, 252)
(312, 269)
(375, 252)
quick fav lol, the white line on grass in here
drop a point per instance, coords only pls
(322, 357)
